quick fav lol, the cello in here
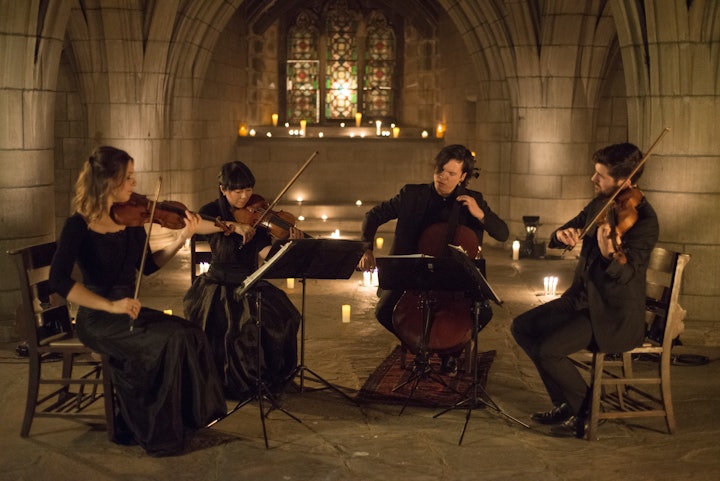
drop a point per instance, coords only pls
(437, 321)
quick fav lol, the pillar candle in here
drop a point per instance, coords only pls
(346, 313)
(516, 250)
(358, 119)
(274, 120)
(290, 283)
(379, 242)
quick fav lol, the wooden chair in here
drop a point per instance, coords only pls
(627, 399)
(45, 318)
(200, 255)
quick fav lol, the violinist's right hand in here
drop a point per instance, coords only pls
(367, 261)
(245, 230)
(127, 305)
(570, 236)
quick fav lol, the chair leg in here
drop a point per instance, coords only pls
(665, 392)
(108, 397)
(596, 393)
(32, 394)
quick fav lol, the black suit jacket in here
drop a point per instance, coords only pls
(409, 207)
(614, 293)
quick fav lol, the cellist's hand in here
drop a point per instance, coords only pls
(367, 261)
(245, 230)
(472, 206)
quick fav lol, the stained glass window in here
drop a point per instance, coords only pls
(379, 65)
(302, 70)
(356, 56)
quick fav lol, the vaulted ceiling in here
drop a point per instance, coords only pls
(422, 14)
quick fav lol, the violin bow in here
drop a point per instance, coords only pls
(145, 249)
(282, 192)
(634, 171)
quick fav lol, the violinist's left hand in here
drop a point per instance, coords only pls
(472, 205)
(192, 221)
(245, 230)
(295, 233)
(605, 241)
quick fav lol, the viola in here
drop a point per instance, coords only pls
(622, 216)
(257, 213)
(168, 213)
(451, 320)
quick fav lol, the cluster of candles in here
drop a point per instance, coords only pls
(550, 283)
(394, 130)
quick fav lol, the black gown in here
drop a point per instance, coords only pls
(164, 378)
(229, 320)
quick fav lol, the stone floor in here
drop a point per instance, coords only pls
(339, 440)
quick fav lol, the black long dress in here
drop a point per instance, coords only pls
(163, 373)
(229, 320)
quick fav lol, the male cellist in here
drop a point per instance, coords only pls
(604, 307)
(418, 206)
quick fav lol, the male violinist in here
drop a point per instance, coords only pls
(418, 206)
(604, 307)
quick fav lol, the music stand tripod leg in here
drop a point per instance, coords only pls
(472, 400)
(302, 368)
(262, 393)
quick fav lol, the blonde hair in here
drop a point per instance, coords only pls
(103, 171)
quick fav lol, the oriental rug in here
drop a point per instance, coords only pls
(437, 390)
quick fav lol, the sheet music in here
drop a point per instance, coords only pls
(252, 278)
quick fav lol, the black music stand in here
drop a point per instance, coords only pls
(313, 259)
(482, 294)
(262, 393)
(423, 273)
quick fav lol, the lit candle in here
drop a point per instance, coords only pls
(358, 119)
(440, 132)
(374, 278)
(396, 132)
(168, 312)
(242, 130)
(424, 134)
(553, 286)
(367, 278)
(290, 283)
(303, 124)
(516, 250)
(274, 120)
(378, 127)
(346, 313)
(546, 284)
(379, 242)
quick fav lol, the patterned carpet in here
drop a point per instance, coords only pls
(390, 383)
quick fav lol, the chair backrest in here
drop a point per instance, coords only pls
(200, 255)
(43, 315)
(664, 316)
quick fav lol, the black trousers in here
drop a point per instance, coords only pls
(548, 334)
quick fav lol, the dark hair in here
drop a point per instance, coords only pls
(236, 175)
(457, 152)
(621, 160)
(104, 170)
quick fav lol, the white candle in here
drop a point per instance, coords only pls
(546, 282)
(290, 283)
(516, 250)
(374, 277)
(346, 313)
(379, 242)
(378, 127)
(554, 285)
(367, 279)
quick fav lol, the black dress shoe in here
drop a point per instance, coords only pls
(573, 427)
(556, 415)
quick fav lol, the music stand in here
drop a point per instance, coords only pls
(418, 272)
(262, 394)
(312, 259)
(481, 293)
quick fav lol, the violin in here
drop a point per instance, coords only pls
(257, 213)
(621, 216)
(451, 321)
(168, 213)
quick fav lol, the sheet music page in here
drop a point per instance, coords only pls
(252, 278)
